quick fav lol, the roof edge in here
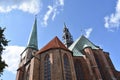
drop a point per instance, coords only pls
(52, 49)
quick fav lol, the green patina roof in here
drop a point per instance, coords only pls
(80, 44)
(33, 43)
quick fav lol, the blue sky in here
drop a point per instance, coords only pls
(97, 20)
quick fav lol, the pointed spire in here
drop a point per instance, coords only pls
(67, 37)
(33, 43)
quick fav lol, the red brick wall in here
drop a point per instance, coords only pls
(86, 72)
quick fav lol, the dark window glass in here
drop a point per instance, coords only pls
(47, 70)
(67, 70)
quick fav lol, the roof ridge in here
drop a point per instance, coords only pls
(88, 40)
(53, 44)
(81, 43)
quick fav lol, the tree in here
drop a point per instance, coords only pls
(3, 43)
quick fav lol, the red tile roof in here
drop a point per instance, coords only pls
(53, 44)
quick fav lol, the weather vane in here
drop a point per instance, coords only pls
(82, 31)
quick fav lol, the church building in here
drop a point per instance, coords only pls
(67, 60)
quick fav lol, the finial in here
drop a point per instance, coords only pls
(65, 25)
(82, 31)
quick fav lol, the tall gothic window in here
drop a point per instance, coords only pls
(47, 70)
(78, 70)
(67, 70)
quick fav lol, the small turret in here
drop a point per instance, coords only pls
(67, 37)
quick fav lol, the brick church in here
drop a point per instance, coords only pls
(70, 60)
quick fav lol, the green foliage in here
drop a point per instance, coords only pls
(2, 65)
(3, 43)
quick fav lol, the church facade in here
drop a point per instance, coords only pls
(70, 60)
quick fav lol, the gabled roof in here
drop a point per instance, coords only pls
(33, 43)
(80, 44)
(53, 44)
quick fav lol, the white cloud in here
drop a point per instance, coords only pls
(11, 56)
(47, 15)
(113, 21)
(61, 2)
(53, 11)
(31, 6)
(88, 32)
(54, 14)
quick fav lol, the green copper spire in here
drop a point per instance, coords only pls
(33, 43)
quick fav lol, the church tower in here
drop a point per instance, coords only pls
(67, 37)
(27, 54)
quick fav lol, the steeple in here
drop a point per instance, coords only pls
(67, 37)
(27, 54)
(33, 43)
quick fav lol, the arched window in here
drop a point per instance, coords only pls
(67, 70)
(78, 70)
(47, 70)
